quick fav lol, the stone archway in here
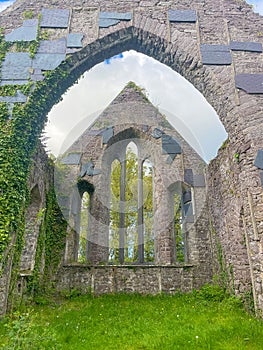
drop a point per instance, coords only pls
(234, 179)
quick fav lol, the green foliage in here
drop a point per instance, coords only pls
(71, 294)
(131, 209)
(4, 46)
(35, 44)
(18, 140)
(132, 322)
(22, 333)
(236, 157)
(28, 14)
(224, 144)
(178, 232)
(27, 88)
(22, 46)
(137, 88)
(10, 90)
(4, 114)
(84, 217)
(55, 230)
(211, 292)
(44, 35)
(51, 244)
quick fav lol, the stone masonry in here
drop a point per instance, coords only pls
(105, 141)
(201, 47)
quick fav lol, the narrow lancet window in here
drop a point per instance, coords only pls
(114, 229)
(131, 210)
(148, 211)
(83, 232)
(178, 229)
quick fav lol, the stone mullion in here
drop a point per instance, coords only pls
(72, 241)
(122, 211)
(140, 213)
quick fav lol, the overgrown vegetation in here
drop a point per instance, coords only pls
(205, 319)
(51, 244)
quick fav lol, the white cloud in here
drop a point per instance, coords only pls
(4, 5)
(185, 107)
(257, 5)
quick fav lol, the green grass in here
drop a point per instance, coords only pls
(133, 322)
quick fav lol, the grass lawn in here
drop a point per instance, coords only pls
(132, 322)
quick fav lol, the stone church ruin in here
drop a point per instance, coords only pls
(45, 48)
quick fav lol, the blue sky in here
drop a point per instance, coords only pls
(258, 5)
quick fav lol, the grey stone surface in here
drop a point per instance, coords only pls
(182, 16)
(157, 133)
(107, 134)
(216, 54)
(170, 145)
(108, 19)
(74, 40)
(199, 180)
(28, 32)
(52, 46)
(47, 61)
(19, 97)
(261, 178)
(16, 66)
(71, 159)
(259, 160)
(13, 82)
(54, 18)
(187, 196)
(188, 209)
(122, 16)
(88, 169)
(170, 158)
(245, 46)
(189, 176)
(126, 279)
(251, 83)
(106, 23)
(215, 48)
(189, 219)
(37, 77)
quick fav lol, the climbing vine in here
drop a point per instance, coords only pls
(21, 126)
(51, 244)
(18, 140)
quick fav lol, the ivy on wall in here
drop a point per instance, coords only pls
(18, 140)
(51, 244)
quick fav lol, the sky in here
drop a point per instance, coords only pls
(183, 105)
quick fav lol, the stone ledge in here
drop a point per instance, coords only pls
(128, 266)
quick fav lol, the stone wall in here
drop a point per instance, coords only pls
(39, 183)
(127, 279)
(122, 118)
(235, 189)
(40, 179)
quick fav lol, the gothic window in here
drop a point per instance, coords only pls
(83, 230)
(183, 215)
(114, 212)
(131, 209)
(148, 211)
(178, 229)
